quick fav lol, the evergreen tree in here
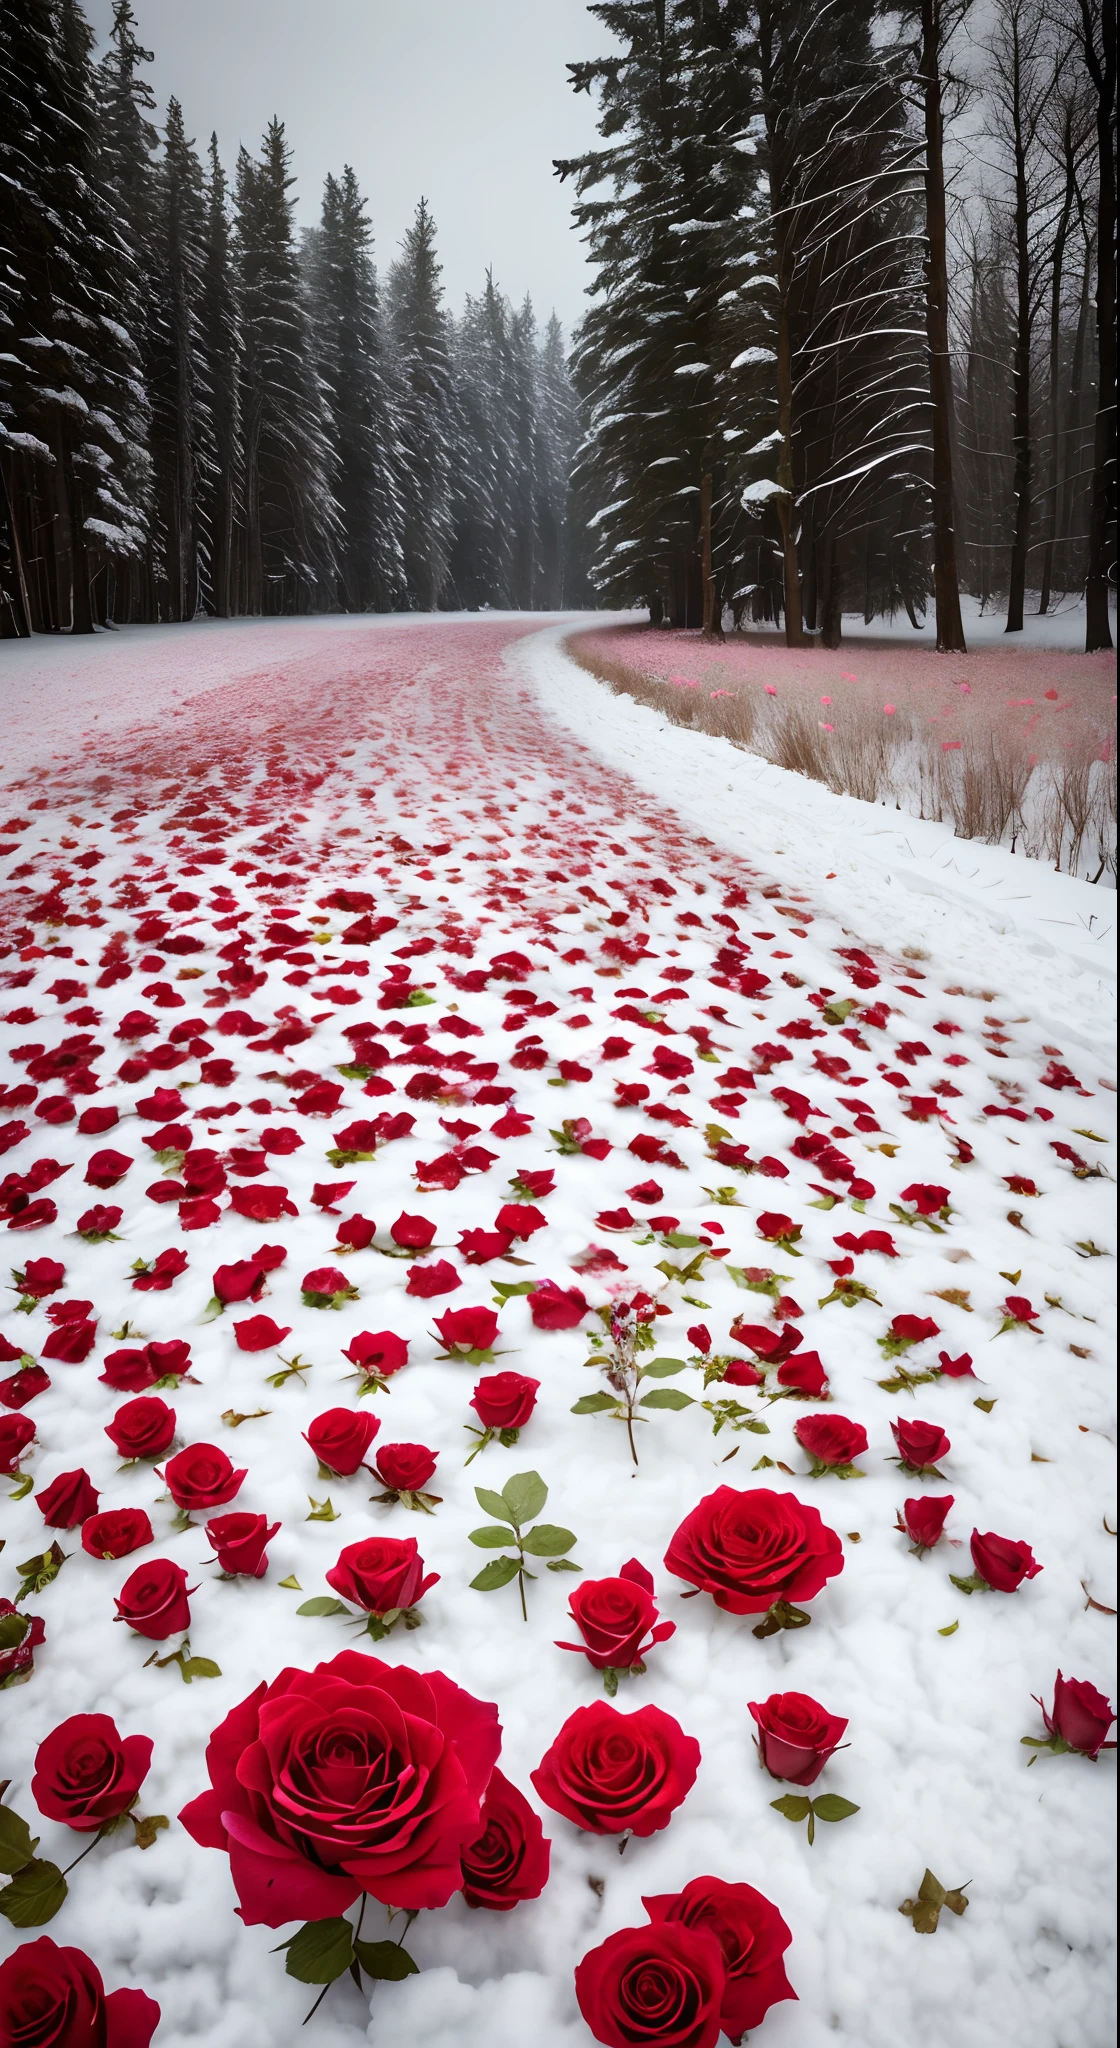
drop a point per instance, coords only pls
(220, 492)
(430, 426)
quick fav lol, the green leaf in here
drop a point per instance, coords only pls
(506, 1289)
(830, 1806)
(680, 1240)
(13, 1628)
(524, 1495)
(666, 1397)
(499, 1573)
(322, 1604)
(320, 1952)
(492, 1537)
(34, 1895)
(987, 1406)
(663, 1368)
(147, 1827)
(385, 1960)
(290, 1585)
(198, 1667)
(595, 1404)
(563, 1564)
(951, 1630)
(17, 1843)
(321, 1510)
(546, 1540)
(495, 1505)
(792, 1807)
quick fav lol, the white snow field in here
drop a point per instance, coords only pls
(858, 1004)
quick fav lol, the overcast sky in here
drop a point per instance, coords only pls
(465, 101)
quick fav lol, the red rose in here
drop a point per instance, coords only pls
(412, 1233)
(613, 1616)
(519, 1219)
(144, 1428)
(93, 1122)
(340, 1438)
(242, 1281)
(115, 1532)
(749, 1549)
(23, 1386)
(53, 1997)
(405, 1468)
(663, 1985)
(259, 1333)
(700, 1337)
(377, 1352)
(241, 1541)
(1080, 1716)
(165, 1268)
(919, 1444)
(508, 1860)
(19, 1657)
(129, 1372)
(40, 1277)
(924, 1520)
(614, 1773)
(466, 1330)
(777, 1229)
(16, 1432)
(830, 1440)
(428, 1281)
(326, 1287)
(804, 1374)
(263, 1204)
(381, 1574)
(202, 1476)
(772, 1345)
(752, 1936)
(914, 1329)
(67, 1500)
(418, 1754)
(796, 1736)
(87, 1774)
(928, 1201)
(72, 1341)
(356, 1231)
(478, 1247)
(504, 1400)
(105, 1169)
(956, 1368)
(556, 1308)
(154, 1600)
(1001, 1562)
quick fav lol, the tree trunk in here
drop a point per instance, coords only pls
(1053, 466)
(950, 627)
(1101, 66)
(1021, 374)
(713, 609)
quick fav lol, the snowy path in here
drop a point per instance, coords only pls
(531, 938)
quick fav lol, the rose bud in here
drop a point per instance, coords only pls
(53, 1997)
(412, 1233)
(427, 1282)
(144, 1428)
(752, 1935)
(377, 1353)
(654, 1984)
(23, 1386)
(1080, 1717)
(467, 1333)
(16, 1432)
(556, 1308)
(340, 1438)
(105, 1169)
(18, 1657)
(67, 1500)
(242, 1281)
(508, 1859)
(504, 1400)
(615, 1773)
(39, 1278)
(804, 1374)
(259, 1333)
(381, 1574)
(115, 1532)
(739, 1372)
(920, 1445)
(613, 1617)
(241, 1542)
(831, 1441)
(1001, 1562)
(404, 1468)
(796, 1736)
(326, 1287)
(202, 1476)
(86, 1773)
(355, 1233)
(154, 1600)
(924, 1521)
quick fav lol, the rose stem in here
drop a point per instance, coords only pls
(521, 1588)
(85, 1852)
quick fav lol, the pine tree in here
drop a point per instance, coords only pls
(430, 426)
(556, 425)
(220, 493)
(182, 436)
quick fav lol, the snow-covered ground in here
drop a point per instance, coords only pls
(492, 799)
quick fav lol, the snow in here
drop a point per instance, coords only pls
(338, 739)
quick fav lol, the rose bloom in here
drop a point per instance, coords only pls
(739, 1372)
(20, 1657)
(340, 1438)
(16, 1432)
(924, 1520)
(752, 1548)
(830, 1439)
(241, 1541)
(24, 1385)
(86, 1773)
(1002, 1562)
(40, 1277)
(478, 1247)
(508, 1859)
(661, 1985)
(1080, 1716)
(130, 1372)
(467, 1329)
(412, 1233)
(504, 1400)
(356, 1231)
(416, 1755)
(405, 1468)
(556, 1308)
(919, 1444)
(752, 1935)
(613, 1617)
(72, 1341)
(67, 1500)
(381, 1573)
(914, 1329)
(144, 1428)
(796, 1736)
(927, 1200)
(259, 1333)
(202, 1476)
(614, 1773)
(106, 1168)
(426, 1282)
(805, 1374)
(377, 1351)
(242, 1281)
(53, 1997)
(115, 1532)
(155, 1600)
